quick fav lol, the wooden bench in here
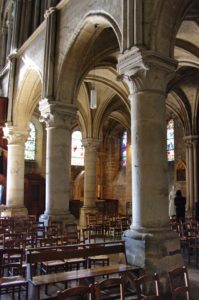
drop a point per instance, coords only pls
(37, 255)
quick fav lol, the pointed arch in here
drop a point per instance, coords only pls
(72, 69)
(27, 98)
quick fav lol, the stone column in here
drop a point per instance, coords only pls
(150, 243)
(3, 47)
(90, 192)
(15, 171)
(57, 117)
(187, 178)
(191, 173)
(195, 166)
(9, 36)
(129, 170)
(190, 176)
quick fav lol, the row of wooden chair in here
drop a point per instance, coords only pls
(103, 227)
(102, 290)
(188, 232)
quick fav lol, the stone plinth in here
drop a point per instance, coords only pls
(65, 218)
(14, 212)
(155, 251)
(83, 212)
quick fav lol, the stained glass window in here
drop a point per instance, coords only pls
(170, 140)
(30, 145)
(77, 149)
(123, 148)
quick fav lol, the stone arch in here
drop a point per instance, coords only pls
(111, 106)
(73, 67)
(162, 38)
(181, 109)
(27, 98)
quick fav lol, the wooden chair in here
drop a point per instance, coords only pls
(12, 280)
(80, 291)
(148, 287)
(98, 260)
(108, 287)
(72, 233)
(179, 282)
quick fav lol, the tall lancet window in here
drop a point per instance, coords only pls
(123, 148)
(30, 145)
(77, 149)
(170, 140)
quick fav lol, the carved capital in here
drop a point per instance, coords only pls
(146, 70)
(191, 140)
(15, 135)
(56, 114)
(91, 144)
(49, 12)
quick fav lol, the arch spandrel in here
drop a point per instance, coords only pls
(27, 98)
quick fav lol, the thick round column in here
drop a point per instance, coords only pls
(15, 170)
(90, 190)
(58, 119)
(149, 164)
(150, 243)
(57, 170)
(90, 159)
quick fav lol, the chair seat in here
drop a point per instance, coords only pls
(98, 257)
(52, 263)
(75, 260)
(76, 263)
(10, 279)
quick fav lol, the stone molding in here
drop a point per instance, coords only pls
(15, 135)
(190, 139)
(146, 70)
(56, 114)
(91, 144)
(50, 11)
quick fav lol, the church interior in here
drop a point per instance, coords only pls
(99, 115)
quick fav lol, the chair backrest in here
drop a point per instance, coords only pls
(148, 287)
(77, 291)
(110, 285)
(179, 282)
(11, 261)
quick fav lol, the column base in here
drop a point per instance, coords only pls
(63, 218)
(83, 212)
(17, 212)
(155, 251)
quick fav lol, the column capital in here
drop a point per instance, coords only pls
(91, 143)
(191, 139)
(56, 113)
(50, 11)
(15, 135)
(145, 70)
